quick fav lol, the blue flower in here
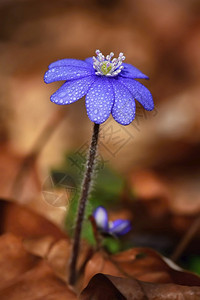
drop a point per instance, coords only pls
(117, 228)
(109, 85)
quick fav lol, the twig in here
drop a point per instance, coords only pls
(189, 235)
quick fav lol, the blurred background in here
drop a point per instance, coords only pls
(157, 156)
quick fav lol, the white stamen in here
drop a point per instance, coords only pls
(106, 65)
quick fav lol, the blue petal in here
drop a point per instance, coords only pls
(90, 61)
(119, 227)
(123, 110)
(101, 218)
(139, 92)
(99, 100)
(68, 62)
(132, 72)
(72, 90)
(66, 73)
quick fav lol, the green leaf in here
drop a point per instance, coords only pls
(194, 264)
(112, 245)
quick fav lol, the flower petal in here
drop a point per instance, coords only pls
(72, 90)
(101, 218)
(99, 100)
(139, 92)
(89, 61)
(68, 62)
(123, 110)
(66, 73)
(119, 227)
(132, 72)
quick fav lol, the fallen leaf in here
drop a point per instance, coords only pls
(38, 283)
(25, 276)
(20, 220)
(107, 287)
(39, 246)
(59, 255)
(41, 238)
(19, 175)
(177, 192)
(139, 263)
(100, 287)
(12, 254)
(167, 203)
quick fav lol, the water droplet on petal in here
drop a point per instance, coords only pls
(62, 94)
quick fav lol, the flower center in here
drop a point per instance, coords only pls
(105, 69)
(106, 65)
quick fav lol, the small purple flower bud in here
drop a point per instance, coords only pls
(117, 228)
(101, 218)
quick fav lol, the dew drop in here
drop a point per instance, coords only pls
(62, 94)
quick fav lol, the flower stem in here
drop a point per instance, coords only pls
(82, 204)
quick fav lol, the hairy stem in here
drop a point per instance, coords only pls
(82, 204)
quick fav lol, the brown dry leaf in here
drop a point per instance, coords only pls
(168, 201)
(178, 192)
(12, 254)
(59, 254)
(100, 287)
(109, 287)
(18, 175)
(41, 238)
(139, 263)
(38, 283)
(39, 246)
(21, 221)
(58, 258)
(25, 276)
(20, 180)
